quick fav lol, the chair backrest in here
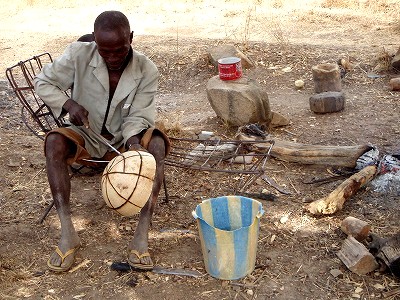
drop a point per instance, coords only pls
(35, 113)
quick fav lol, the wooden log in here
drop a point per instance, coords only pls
(335, 200)
(355, 227)
(356, 257)
(340, 156)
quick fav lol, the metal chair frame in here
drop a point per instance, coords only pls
(35, 114)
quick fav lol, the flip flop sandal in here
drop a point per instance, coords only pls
(63, 257)
(139, 265)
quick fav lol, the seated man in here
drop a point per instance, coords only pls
(113, 95)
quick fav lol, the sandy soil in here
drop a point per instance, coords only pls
(295, 256)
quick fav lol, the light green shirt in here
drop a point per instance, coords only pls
(81, 68)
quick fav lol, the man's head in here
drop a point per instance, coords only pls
(113, 37)
(86, 38)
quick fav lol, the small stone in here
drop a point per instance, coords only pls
(307, 199)
(273, 237)
(336, 273)
(358, 290)
(379, 286)
(284, 219)
(244, 159)
(108, 262)
(299, 84)
(278, 120)
(250, 292)
(205, 135)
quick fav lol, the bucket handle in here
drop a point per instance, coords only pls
(258, 216)
(195, 215)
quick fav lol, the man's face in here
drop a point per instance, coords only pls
(113, 46)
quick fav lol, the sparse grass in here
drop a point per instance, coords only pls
(375, 5)
(387, 7)
(170, 124)
(278, 33)
(291, 11)
(383, 61)
(247, 28)
(251, 26)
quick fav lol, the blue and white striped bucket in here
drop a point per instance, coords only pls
(228, 229)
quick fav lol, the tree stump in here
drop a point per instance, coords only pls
(327, 102)
(326, 78)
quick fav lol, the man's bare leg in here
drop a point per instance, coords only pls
(57, 149)
(139, 242)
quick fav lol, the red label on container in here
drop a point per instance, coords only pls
(229, 68)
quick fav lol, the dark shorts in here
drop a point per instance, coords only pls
(83, 157)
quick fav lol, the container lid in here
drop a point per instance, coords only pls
(228, 60)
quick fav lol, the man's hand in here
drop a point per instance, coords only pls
(77, 113)
(133, 143)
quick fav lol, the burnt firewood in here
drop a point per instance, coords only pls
(386, 252)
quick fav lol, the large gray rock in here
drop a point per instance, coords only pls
(239, 102)
(228, 50)
(396, 61)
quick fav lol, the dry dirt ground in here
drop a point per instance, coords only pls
(295, 256)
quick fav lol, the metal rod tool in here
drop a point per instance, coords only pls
(103, 140)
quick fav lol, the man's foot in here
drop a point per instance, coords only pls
(61, 261)
(141, 261)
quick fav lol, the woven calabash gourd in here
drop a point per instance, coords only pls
(127, 181)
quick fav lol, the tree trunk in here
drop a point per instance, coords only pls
(327, 78)
(340, 156)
